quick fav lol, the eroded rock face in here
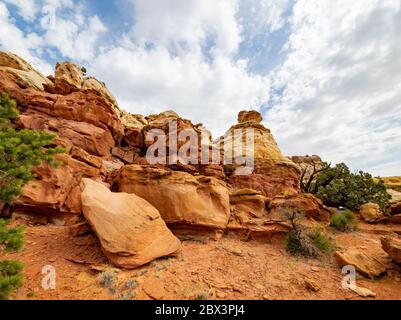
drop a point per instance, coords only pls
(370, 212)
(250, 218)
(92, 139)
(68, 78)
(56, 190)
(130, 230)
(250, 116)
(91, 83)
(26, 76)
(180, 197)
(307, 204)
(273, 173)
(248, 202)
(392, 246)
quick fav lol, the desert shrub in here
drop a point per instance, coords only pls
(130, 284)
(83, 71)
(323, 243)
(106, 279)
(345, 221)
(338, 187)
(307, 242)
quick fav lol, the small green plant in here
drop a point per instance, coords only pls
(345, 221)
(11, 240)
(83, 71)
(323, 243)
(30, 294)
(11, 278)
(307, 242)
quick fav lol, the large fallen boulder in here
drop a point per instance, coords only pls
(367, 265)
(393, 248)
(180, 197)
(130, 230)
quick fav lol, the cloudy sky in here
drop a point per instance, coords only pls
(325, 74)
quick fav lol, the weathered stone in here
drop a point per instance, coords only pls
(25, 75)
(91, 83)
(179, 196)
(249, 202)
(307, 204)
(127, 155)
(363, 292)
(393, 248)
(68, 78)
(272, 174)
(367, 265)
(249, 116)
(86, 136)
(130, 230)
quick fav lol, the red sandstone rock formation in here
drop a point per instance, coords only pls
(102, 142)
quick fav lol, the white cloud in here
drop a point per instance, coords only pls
(337, 93)
(73, 34)
(342, 83)
(27, 9)
(175, 74)
(14, 40)
(183, 23)
(261, 16)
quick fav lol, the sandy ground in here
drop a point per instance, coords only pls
(204, 269)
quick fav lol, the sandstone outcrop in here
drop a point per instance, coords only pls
(181, 198)
(130, 230)
(307, 204)
(273, 173)
(25, 75)
(68, 78)
(250, 217)
(248, 202)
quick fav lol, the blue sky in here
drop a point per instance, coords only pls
(325, 74)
